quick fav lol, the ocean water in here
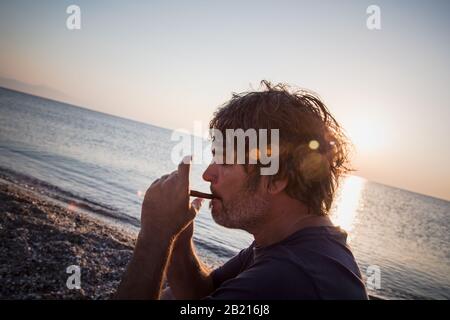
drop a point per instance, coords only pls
(104, 164)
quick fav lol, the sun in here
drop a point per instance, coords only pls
(365, 135)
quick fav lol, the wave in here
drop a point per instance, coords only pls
(66, 197)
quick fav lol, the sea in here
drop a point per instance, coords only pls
(103, 164)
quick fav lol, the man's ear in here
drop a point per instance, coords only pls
(276, 186)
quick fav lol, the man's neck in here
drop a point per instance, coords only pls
(285, 219)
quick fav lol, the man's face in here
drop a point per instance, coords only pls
(234, 205)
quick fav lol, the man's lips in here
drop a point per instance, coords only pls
(215, 203)
(215, 195)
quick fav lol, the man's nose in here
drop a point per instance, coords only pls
(210, 173)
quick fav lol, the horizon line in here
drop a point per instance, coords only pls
(169, 129)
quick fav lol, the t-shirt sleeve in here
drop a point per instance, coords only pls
(232, 267)
(267, 280)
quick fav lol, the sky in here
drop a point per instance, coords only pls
(170, 63)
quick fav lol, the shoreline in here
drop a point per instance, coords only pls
(40, 239)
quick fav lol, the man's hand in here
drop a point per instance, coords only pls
(166, 210)
(184, 238)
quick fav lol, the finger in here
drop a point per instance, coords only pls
(171, 177)
(173, 173)
(164, 177)
(160, 179)
(184, 168)
(194, 208)
(197, 203)
(156, 181)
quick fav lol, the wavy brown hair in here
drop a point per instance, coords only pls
(313, 149)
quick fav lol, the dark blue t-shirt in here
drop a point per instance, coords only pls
(312, 263)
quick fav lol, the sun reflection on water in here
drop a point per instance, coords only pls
(345, 207)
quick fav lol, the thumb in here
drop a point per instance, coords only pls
(196, 205)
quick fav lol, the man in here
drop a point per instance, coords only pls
(297, 252)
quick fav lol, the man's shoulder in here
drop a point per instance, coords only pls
(286, 274)
(317, 241)
(269, 278)
(314, 264)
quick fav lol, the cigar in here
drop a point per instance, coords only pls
(199, 194)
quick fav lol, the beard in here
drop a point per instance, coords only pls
(245, 211)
